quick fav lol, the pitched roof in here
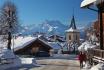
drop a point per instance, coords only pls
(86, 3)
(21, 42)
(73, 25)
(55, 45)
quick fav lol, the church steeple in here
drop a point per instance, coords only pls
(72, 34)
(73, 25)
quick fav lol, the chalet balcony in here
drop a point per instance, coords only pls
(97, 55)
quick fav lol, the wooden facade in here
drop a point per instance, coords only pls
(34, 47)
(98, 54)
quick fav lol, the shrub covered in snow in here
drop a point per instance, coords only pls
(85, 46)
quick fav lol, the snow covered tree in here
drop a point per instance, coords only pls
(8, 21)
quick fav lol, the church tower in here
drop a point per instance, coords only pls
(73, 34)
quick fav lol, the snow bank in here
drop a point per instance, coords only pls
(18, 62)
(15, 63)
(28, 61)
(85, 46)
(87, 65)
(13, 60)
(7, 54)
(99, 66)
(8, 59)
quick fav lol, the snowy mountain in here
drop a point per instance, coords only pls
(53, 27)
(49, 27)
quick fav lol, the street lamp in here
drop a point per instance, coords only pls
(100, 5)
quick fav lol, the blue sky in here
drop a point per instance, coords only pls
(37, 11)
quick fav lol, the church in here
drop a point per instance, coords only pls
(72, 34)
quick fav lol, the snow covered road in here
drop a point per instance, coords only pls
(51, 64)
(58, 64)
(64, 62)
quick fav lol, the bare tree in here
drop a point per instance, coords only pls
(8, 21)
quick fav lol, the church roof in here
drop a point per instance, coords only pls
(72, 27)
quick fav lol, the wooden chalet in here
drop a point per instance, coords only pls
(57, 38)
(33, 47)
(97, 54)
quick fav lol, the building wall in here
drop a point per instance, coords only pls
(73, 37)
(96, 26)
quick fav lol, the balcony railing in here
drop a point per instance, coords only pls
(97, 52)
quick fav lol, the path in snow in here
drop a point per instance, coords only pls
(62, 62)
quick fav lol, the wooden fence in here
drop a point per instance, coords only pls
(96, 54)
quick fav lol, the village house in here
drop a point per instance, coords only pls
(31, 46)
(56, 38)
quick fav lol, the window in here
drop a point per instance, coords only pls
(76, 37)
(69, 37)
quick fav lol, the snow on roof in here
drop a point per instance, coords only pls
(54, 45)
(21, 42)
(39, 36)
(87, 2)
(85, 46)
(72, 30)
(45, 43)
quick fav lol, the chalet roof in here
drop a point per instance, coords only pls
(52, 36)
(42, 37)
(46, 43)
(86, 3)
(58, 38)
(55, 45)
(21, 42)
